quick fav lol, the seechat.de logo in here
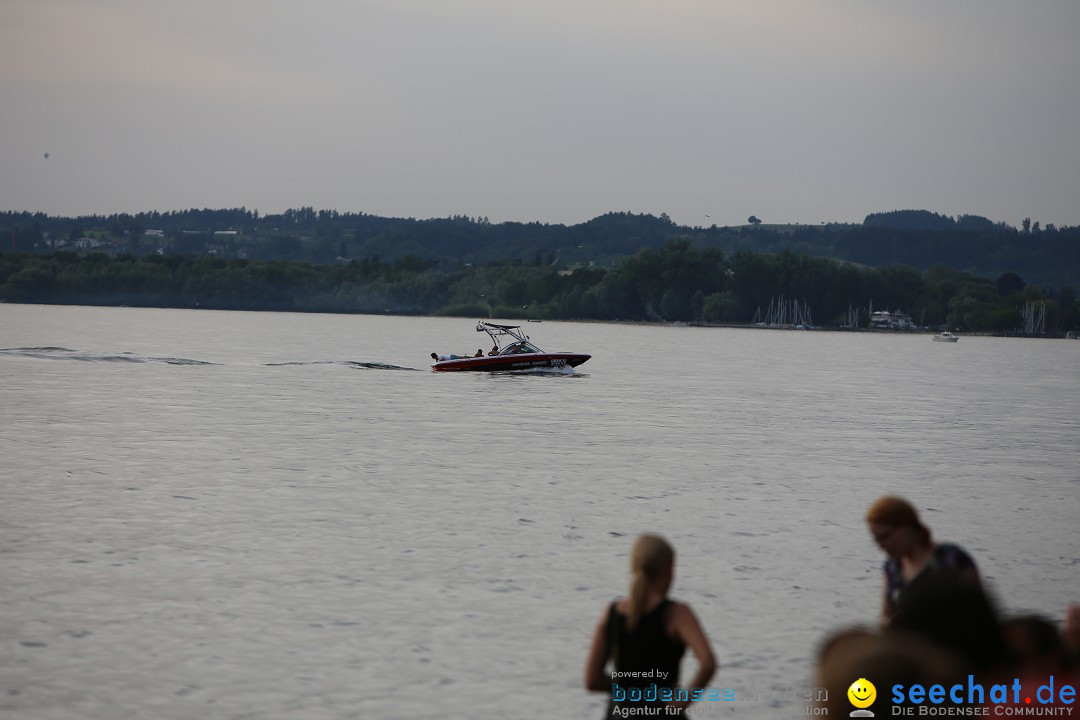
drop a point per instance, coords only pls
(862, 694)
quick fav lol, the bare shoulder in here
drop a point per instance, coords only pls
(681, 610)
(681, 617)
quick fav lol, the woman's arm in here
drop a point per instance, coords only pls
(596, 679)
(689, 630)
(886, 610)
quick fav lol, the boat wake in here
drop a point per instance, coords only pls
(59, 353)
(346, 363)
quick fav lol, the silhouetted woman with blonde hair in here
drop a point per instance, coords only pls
(645, 635)
(913, 554)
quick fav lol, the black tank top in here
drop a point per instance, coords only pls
(645, 649)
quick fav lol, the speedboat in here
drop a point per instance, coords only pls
(946, 336)
(512, 350)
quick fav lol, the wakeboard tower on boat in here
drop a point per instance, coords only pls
(512, 350)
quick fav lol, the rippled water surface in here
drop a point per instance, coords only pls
(262, 515)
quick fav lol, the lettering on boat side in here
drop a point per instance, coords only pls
(541, 363)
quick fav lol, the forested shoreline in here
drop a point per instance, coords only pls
(1044, 255)
(965, 273)
(675, 283)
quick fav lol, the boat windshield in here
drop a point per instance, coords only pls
(518, 348)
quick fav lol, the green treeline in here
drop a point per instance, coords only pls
(1046, 256)
(676, 282)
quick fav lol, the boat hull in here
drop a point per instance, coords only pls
(522, 361)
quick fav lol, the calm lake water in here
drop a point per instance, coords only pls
(265, 515)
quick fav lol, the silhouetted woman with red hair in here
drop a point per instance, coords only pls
(913, 554)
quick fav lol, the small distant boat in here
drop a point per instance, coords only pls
(512, 351)
(946, 336)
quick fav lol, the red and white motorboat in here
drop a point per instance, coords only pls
(512, 351)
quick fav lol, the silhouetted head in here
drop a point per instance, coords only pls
(1036, 644)
(957, 615)
(885, 659)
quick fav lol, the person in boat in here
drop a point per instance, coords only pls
(494, 350)
(479, 352)
(645, 635)
(440, 358)
(912, 553)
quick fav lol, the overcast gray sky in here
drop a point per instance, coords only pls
(544, 110)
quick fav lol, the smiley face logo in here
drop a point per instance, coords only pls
(862, 693)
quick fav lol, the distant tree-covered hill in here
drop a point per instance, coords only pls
(1044, 256)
